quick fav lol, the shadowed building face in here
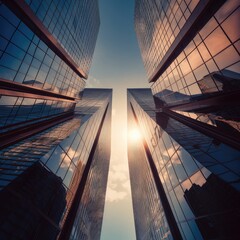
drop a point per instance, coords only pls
(54, 144)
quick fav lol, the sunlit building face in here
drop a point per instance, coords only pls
(191, 53)
(162, 163)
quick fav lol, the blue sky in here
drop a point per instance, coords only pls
(117, 61)
(117, 64)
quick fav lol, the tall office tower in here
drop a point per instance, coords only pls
(149, 215)
(175, 195)
(54, 181)
(190, 50)
(54, 144)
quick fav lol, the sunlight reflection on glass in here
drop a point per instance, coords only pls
(134, 135)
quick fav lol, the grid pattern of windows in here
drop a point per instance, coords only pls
(27, 152)
(15, 110)
(214, 50)
(184, 178)
(62, 150)
(69, 158)
(44, 170)
(218, 118)
(220, 159)
(159, 22)
(90, 212)
(192, 165)
(74, 24)
(24, 58)
(208, 66)
(150, 219)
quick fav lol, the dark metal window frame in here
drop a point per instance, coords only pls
(11, 137)
(68, 224)
(199, 17)
(210, 103)
(162, 195)
(24, 12)
(203, 128)
(10, 88)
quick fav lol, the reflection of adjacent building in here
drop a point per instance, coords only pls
(32, 205)
(149, 215)
(190, 118)
(75, 154)
(186, 56)
(52, 150)
(225, 81)
(93, 198)
(216, 207)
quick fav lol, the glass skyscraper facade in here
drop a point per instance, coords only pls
(189, 120)
(55, 181)
(149, 215)
(88, 223)
(55, 136)
(174, 195)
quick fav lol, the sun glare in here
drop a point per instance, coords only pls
(134, 134)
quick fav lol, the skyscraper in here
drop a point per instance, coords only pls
(190, 119)
(54, 143)
(175, 196)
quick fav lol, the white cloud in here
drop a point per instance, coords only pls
(126, 185)
(92, 82)
(120, 167)
(118, 176)
(115, 195)
(112, 185)
(96, 81)
(118, 183)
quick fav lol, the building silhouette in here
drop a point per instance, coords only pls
(55, 136)
(189, 121)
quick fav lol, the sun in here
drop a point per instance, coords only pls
(134, 134)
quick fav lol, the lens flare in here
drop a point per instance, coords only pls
(134, 134)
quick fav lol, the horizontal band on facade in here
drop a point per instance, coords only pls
(27, 122)
(211, 103)
(11, 137)
(10, 88)
(199, 17)
(24, 12)
(208, 130)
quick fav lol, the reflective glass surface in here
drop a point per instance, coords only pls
(208, 65)
(62, 152)
(188, 174)
(90, 211)
(159, 22)
(149, 215)
(74, 24)
(28, 60)
(16, 110)
(40, 174)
